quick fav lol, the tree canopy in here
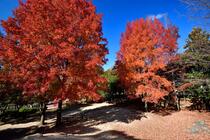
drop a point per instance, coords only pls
(197, 53)
(146, 47)
(54, 49)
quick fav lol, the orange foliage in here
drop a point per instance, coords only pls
(184, 86)
(146, 47)
(55, 48)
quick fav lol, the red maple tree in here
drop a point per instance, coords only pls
(146, 48)
(55, 49)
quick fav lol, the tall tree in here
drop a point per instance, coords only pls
(55, 49)
(197, 53)
(196, 60)
(146, 47)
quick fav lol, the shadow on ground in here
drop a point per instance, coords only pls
(16, 117)
(107, 135)
(97, 116)
(164, 112)
(84, 124)
(15, 133)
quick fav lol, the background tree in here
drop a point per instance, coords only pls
(54, 49)
(114, 90)
(196, 60)
(146, 48)
(197, 53)
(9, 94)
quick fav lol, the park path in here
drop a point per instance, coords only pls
(48, 121)
(106, 121)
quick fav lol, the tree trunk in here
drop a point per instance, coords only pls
(178, 103)
(59, 111)
(166, 103)
(145, 106)
(43, 113)
(179, 99)
(207, 104)
(18, 107)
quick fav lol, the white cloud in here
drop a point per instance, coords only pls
(158, 16)
(161, 15)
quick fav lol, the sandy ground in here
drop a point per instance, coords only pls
(105, 121)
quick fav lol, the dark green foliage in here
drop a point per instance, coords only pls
(174, 72)
(197, 54)
(9, 94)
(200, 95)
(20, 114)
(26, 109)
(114, 90)
(196, 61)
(112, 79)
(196, 75)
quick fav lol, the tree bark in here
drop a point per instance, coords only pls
(43, 113)
(178, 103)
(166, 103)
(207, 104)
(59, 111)
(179, 99)
(145, 106)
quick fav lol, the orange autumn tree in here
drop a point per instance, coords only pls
(55, 49)
(146, 48)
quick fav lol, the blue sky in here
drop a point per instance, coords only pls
(117, 13)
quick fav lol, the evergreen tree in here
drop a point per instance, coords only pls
(196, 60)
(197, 54)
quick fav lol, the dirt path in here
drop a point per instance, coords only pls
(105, 121)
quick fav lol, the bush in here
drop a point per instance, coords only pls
(200, 96)
(195, 75)
(25, 109)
